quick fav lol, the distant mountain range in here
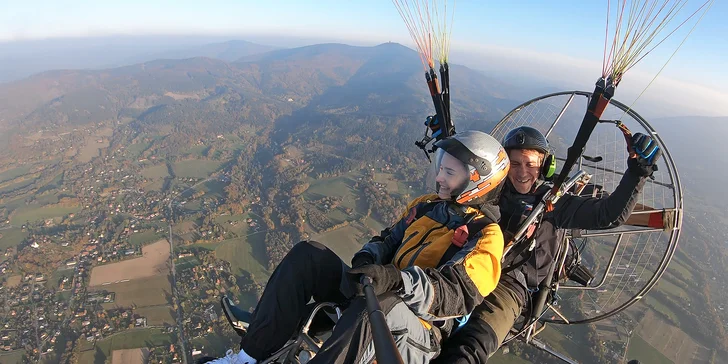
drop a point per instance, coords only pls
(238, 81)
(25, 58)
(329, 78)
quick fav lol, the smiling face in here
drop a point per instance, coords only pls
(525, 168)
(452, 176)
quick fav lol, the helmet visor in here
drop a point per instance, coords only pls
(448, 174)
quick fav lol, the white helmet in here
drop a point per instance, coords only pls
(485, 159)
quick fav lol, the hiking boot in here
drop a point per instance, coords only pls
(238, 318)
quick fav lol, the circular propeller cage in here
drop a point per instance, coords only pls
(626, 261)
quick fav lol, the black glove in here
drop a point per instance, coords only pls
(385, 278)
(648, 153)
(361, 258)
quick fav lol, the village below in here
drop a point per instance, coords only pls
(133, 198)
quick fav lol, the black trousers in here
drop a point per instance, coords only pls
(486, 329)
(310, 270)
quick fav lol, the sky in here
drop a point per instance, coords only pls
(562, 40)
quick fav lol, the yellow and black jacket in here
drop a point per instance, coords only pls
(447, 270)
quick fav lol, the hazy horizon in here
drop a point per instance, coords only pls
(560, 44)
(139, 183)
(530, 70)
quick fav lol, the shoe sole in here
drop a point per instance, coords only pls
(240, 327)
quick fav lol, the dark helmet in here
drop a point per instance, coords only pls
(486, 161)
(526, 137)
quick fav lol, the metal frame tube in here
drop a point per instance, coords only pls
(676, 186)
(604, 277)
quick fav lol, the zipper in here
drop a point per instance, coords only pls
(420, 346)
(407, 239)
(425, 245)
(414, 256)
(404, 331)
(399, 261)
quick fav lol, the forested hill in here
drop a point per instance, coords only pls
(337, 108)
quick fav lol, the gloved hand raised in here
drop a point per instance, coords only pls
(385, 278)
(647, 154)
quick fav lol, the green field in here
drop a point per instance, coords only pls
(239, 226)
(14, 204)
(13, 173)
(213, 188)
(90, 150)
(247, 301)
(658, 306)
(213, 345)
(64, 296)
(11, 237)
(639, 349)
(186, 262)
(338, 186)
(13, 186)
(192, 205)
(394, 185)
(41, 213)
(500, 358)
(154, 172)
(197, 150)
(374, 224)
(246, 254)
(196, 168)
(56, 182)
(337, 216)
(404, 189)
(185, 227)
(12, 357)
(344, 241)
(144, 237)
(207, 246)
(50, 358)
(143, 292)
(47, 198)
(136, 149)
(671, 289)
(157, 315)
(130, 339)
(387, 179)
(679, 267)
(154, 186)
(575, 347)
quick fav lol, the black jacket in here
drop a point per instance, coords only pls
(570, 212)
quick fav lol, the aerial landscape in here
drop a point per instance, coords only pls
(146, 171)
